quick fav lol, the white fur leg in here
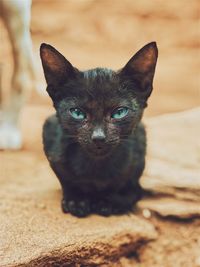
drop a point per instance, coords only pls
(10, 136)
(16, 16)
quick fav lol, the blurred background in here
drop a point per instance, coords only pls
(106, 33)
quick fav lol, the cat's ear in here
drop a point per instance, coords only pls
(57, 69)
(141, 68)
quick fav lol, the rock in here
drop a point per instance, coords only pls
(173, 164)
(166, 206)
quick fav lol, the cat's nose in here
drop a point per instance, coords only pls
(98, 136)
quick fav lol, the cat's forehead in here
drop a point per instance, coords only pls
(100, 74)
(100, 83)
(101, 87)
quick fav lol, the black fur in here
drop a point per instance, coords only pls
(101, 174)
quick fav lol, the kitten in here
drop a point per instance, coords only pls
(96, 143)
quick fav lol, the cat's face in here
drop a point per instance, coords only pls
(98, 113)
(99, 108)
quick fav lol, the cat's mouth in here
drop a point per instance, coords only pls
(99, 151)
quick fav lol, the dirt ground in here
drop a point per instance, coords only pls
(107, 33)
(177, 246)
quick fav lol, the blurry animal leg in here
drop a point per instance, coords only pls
(16, 15)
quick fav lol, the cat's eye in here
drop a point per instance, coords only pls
(119, 113)
(77, 114)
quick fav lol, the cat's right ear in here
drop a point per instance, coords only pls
(141, 68)
(57, 69)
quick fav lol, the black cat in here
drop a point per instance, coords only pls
(96, 143)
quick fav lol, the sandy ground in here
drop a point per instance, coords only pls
(108, 33)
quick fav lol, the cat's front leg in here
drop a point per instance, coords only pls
(75, 202)
(119, 202)
(125, 199)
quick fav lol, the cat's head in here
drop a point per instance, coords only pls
(99, 108)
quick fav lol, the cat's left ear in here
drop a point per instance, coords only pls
(141, 68)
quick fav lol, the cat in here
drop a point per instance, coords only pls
(96, 143)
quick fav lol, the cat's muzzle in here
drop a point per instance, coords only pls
(99, 149)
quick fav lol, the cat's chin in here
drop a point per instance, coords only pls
(99, 153)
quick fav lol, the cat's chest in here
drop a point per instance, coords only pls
(97, 176)
(82, 166)
(101, 174)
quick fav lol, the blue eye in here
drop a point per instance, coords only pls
(119, 113)
(77, 114)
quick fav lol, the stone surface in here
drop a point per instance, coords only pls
(166, 206)
(173, 164)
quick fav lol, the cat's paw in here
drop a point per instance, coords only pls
(102, 207)
(10, 136)
(107, 208)
(79, 208)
